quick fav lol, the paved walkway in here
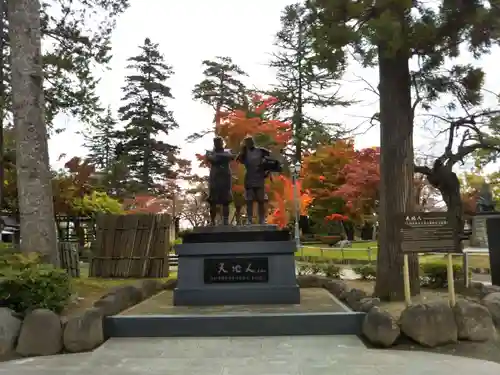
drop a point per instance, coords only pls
(304, 355)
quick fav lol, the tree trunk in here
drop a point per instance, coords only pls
(38, 227)
(396, 174)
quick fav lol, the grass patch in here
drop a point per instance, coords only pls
(90, 289)
(335, 253)
(362, 253)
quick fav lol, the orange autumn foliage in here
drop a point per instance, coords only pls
(234, 126)
(145, 204)
(282, 201)
(343, 180)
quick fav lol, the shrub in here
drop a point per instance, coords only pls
(332, 271)
(40, 286)
(367, 271)
(435, 275)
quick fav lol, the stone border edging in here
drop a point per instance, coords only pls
(43, 332)
(428, 324)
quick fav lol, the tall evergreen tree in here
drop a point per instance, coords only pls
(388, 34)
(303, 85)
(146, 117)
(36, 208)
(100, 140)
(221, 88)
(76, 46)
(77, 36)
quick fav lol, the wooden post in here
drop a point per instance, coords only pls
(406, 280)
(465, 268)
(451, 283)
(148, 247)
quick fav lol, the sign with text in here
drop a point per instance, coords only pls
(428, 232)
(236, 270)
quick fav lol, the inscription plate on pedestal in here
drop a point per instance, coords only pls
(236, 270)
(479, 233)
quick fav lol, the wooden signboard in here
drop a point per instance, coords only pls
(428, 232)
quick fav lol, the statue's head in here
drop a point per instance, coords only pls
(249, 142)
(218, 143)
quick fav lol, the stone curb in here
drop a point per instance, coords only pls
(429, 325)
(43, 332)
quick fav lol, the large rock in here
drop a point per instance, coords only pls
(380, 328)
(474, 322)
(149, 287)
(311, 281)
(484, 290)
(10, 327)
(367, 303)
(118, 299)
(430, 324)
(353, 298)
(84, 332)
(336, 287)
(41, 334)
(170, 284)
(492, 303)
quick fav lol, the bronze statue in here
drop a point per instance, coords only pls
(258, 165)
(485, 201)
(219, 182)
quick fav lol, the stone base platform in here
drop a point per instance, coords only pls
(319, 313)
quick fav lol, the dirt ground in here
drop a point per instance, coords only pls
(489, 351)
(311, 300)
(395, 308)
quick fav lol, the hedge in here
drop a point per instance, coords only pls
(432, 275)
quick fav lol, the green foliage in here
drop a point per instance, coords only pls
(367, 271)
(146, 117)
(97, 202)
(301, 84)
(315, 266)
(221, 89)
(76, 35)
(11, 260)
(434, 275)
(332, 271)
(26, 284)
(100, 140)
(38, 286)
(415, 28)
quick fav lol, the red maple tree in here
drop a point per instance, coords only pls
(343, 180)
(360, 191)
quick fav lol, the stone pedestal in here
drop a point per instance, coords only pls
(493, 231)
(236, 265)
(479, 235)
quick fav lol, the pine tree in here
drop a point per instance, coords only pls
(146, 116)
(100, 140)
(301, 84)
(388, 34)
(221, 89)
(76, 35)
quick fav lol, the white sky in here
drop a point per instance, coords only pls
(194, 30)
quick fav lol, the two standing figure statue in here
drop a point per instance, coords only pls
(258, 165)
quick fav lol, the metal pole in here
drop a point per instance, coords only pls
(297, 212)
